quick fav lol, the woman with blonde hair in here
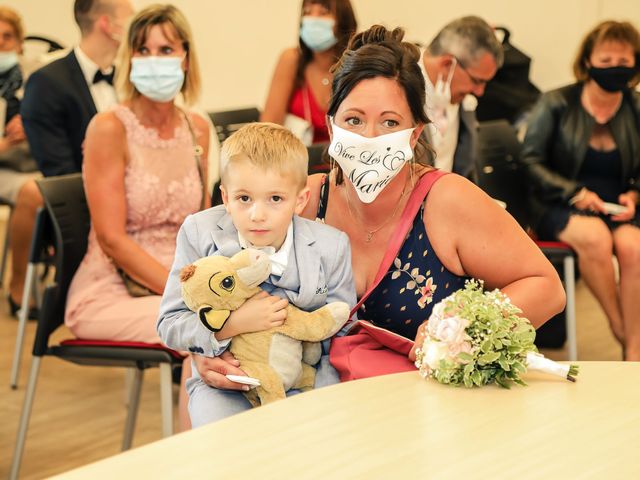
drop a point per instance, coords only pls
(582, 156)
(145, 164)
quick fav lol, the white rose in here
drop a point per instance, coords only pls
(434, 352)
(451, 330)
(456, 348)
(435, 318)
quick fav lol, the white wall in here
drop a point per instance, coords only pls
(239, 40)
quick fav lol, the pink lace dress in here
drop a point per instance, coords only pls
(162, 187)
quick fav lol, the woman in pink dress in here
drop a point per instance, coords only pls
(142, 177)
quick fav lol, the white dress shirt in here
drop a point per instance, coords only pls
(279, 259)
(103, 94)
(445, 127)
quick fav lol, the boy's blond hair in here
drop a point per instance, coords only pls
(267, 146)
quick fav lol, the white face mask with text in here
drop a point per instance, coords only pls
(370, 163)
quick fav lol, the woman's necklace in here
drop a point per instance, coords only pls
(371, 233)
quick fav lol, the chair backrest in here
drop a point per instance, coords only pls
(229, 121)
(317, 162)
(499, 172)
(69, 221)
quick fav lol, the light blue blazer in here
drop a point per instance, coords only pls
(318, 272)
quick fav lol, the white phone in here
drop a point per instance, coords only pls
(244, 380)
(614, 208)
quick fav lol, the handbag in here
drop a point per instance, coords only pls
(135, 288)
(367, 350)
(301, 127)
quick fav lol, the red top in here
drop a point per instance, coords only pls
(317, 114)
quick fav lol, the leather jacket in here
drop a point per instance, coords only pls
(557, 139)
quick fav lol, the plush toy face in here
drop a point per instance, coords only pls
(214, 286)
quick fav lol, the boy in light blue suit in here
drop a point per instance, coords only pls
(263, 173)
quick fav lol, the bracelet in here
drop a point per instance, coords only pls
(578, 196)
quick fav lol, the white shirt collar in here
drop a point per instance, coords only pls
(280, 259)
(88, 66)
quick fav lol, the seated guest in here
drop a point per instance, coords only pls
(307, 258)
(17, 168)
(457, 65)
(61, 97)
(377, 105)
(582, 153)
(301, 83)
(142, 177)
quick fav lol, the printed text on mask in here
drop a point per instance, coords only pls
(362, 179)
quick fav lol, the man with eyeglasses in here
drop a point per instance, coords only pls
(457, 65)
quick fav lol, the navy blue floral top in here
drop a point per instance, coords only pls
(415, 282)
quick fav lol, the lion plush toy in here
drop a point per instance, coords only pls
(281, 357)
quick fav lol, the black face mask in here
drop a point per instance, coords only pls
(612, 79)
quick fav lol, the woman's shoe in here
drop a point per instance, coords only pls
(14, 308)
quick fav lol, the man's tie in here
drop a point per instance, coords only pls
(107, 77)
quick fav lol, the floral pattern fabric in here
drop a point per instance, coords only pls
(415, 282)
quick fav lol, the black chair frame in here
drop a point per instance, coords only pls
(68, 226)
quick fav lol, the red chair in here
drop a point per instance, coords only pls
(69, 221)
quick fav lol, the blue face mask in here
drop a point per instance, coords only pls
(317, 33)
(8, 60)
(157, 78)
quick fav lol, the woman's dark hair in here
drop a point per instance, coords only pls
(379, 52)
(607, 31)
(346, 26)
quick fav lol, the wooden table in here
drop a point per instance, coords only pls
(401, 426)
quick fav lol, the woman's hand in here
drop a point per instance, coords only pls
(14, 131)
(260, 312)
(629, 200)
(213, 370)
(589, 201)
(418, 341)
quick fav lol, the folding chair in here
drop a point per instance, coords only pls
(317, 163)
(38, 255)
(225, 123)
(68, 214)
(500, 176)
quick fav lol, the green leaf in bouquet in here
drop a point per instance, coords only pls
(520, 382)
(466, 357)
(476, 376)
(518, 367)
(488, 358)
(500, 380)
(486, 346)
(497, 344)
(468, 368)
(504, 364)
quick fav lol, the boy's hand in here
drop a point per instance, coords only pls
(260, 312)
(213, 371)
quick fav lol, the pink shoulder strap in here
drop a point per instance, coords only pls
(406, 220)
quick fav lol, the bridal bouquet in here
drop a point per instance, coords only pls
(475, 338)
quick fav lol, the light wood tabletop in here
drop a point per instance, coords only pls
(401, 426)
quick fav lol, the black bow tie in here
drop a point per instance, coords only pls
(107, 77)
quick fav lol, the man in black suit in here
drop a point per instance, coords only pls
(457, 65)
(61, 98)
